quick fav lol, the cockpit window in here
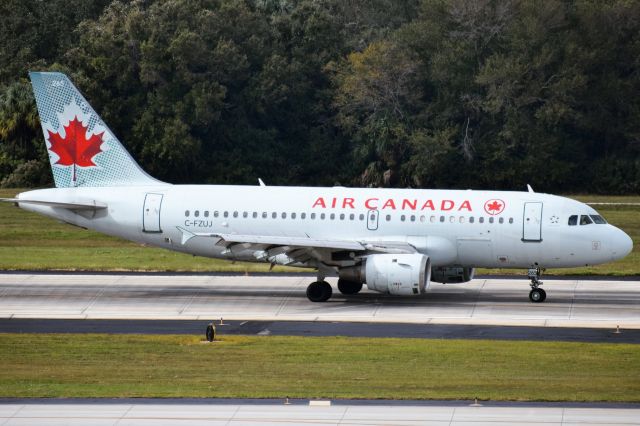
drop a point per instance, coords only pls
(585, 220)
(573, 220)
(599, 220)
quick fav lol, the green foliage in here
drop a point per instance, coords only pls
(422, 93)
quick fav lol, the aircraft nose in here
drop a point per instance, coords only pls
(621, 244)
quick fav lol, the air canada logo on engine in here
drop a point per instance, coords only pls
(494, 207)
(374, 203)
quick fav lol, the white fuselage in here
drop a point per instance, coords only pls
(453, 227)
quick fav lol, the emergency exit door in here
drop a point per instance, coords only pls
(532, 222)
(372, 220)
(151, 213)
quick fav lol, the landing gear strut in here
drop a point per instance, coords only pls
(536, 295)
(319, 291)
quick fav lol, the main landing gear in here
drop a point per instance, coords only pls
(536, 295)
(319, 291)
(349, 287)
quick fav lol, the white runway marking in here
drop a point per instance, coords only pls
(570, 303)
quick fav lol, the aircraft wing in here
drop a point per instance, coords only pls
(81, 205)
(298, 249)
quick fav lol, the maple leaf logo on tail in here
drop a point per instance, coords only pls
(75, 149)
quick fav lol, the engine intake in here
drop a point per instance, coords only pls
(398, 274)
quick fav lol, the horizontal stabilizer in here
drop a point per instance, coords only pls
(84, 205)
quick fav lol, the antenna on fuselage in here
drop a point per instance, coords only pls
(530, 189)
(260, 182)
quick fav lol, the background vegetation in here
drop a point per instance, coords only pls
(419, 93)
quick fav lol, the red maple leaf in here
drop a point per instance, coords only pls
(75, 149)
(495, 206)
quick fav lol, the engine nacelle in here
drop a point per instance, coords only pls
(452, 274)
(398, 274)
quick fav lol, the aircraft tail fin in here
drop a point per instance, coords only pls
(82, 150)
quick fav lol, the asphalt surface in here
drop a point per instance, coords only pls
(319, 329)
(217, 412)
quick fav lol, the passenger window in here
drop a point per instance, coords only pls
(274, 215)
(472, 219)
(226, 214)
(413, 218)
(402, 218)
(573, 220)
(206, 213)
(422, 218)
(432, 219)
(215, 213)
(303, 215)
(510, 220)
(332, 216)
(245, 214)
(481, 219)
(293, 215)
(598, 220)
(585, 220)
(255, 215)
(284, 215)
(352, 216)
(235, 214)
(441, 218)
(264, 215)
(461, 219)
(322, 216)
(196, 213)
(490, 220)
(313, 215)
(341, 216)
(361, 217)
(501, 220)
(388, 217)
(452, 219)
(186, 213)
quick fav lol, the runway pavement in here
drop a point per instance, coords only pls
(217, 412)
(570, 303)
(319, 329)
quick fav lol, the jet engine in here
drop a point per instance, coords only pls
(452, 274)
(398, 274)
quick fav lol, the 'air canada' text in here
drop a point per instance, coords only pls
(391, 204)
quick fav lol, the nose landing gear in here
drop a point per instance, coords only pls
(536, 295)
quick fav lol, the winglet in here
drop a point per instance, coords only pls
(260, 182)
(530, 189)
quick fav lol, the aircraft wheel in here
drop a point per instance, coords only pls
(210, 334)
(349, 287)
(319, 291)
(537, 295)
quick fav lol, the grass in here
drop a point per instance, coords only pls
(85, 365)
(32, 242)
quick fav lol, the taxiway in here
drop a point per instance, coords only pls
(503, 302)
(220, 412)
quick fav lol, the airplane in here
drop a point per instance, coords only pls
(394, 241)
